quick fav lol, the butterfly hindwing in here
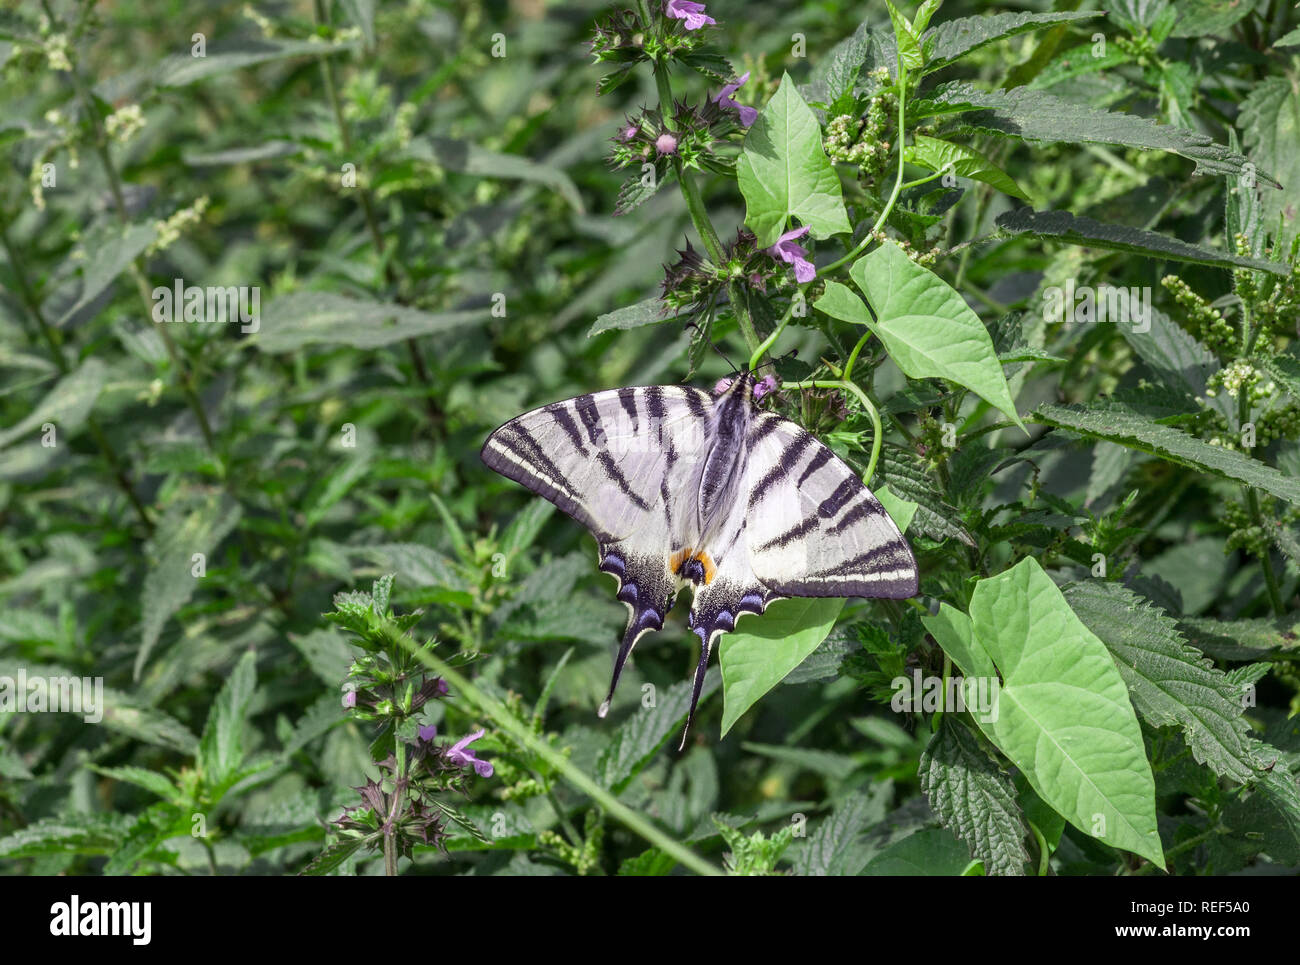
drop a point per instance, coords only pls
(814, 528)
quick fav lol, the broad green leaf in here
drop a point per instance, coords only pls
(181, 69)
(1078, 230)
(763, 648)
(1063, 715)
(652, 311)
(467, 158)
(66, 405)
(909, 44)
(1117, 422)
(221, 748)
(964, 162)
(954, 39)
(955, 634)
(1034, 115)
(929, 853)
(648, 728)
(783, 171)
(1171, 683)
(900, 510)
(927, 328)
(1269, 121)
(291, 322)
(974, 798)
(188, 528)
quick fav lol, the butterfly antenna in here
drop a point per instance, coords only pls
(714, 345)
(700, 669)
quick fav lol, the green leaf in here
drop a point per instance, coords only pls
(291, 322)
(467, 158)
(651, 863)
(1269, 121)
(71, 834)
(333, 857)
(189, 527)
(929, 853)
(965, 162)
(106, 253)
(758, 654)
(639, 737)
(1063, 715)
(221, 748)
(900, 510)
(1170, 683)
(904, 473)
(151, 781)
(829, 850)
(66, 405)
(974, 798)
(954, 39)
(181, 69)
(1079, 230)
(927, 328)
(784, 171)
(1117, 422)
(1034, 115)
(909, 44)
(652, 311)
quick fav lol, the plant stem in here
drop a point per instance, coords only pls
(871, 410)
(524, 736)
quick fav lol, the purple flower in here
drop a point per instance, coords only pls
(627, 132)
(666, 144)
(457, 754)
(786, 250)
(428, 733)
(765, 387)
(350, 699)
(748, 115)
(692, 13)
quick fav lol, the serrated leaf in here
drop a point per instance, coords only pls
(909, 44)
(1120, 423)
(1080, 230)
(927, 327)
(66, 405)
(73, 834)
(965, 162)
(652, 311)
(651, 863)
(828, 850)
(1034, 115)
(333, 857)
(221, 748)
(151, 781)
(901, 470)
(641, 736)
(974, 798)
(783, 171)
(186, 529)
(294, 321)
(763, 648)
(954, 39)
(1170, 683)
(1063, 714)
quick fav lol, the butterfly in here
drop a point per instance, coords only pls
(680, 486)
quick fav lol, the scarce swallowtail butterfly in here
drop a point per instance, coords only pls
(680, 487)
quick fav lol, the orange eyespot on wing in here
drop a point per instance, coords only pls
(702, 570)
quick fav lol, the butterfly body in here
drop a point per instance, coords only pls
(683, 488)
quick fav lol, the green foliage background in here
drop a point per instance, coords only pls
(431, 229)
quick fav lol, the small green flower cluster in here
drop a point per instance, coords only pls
(1204, 320)
(1246, 534)
(1274, 300)
(1238, 377)
(860, 140)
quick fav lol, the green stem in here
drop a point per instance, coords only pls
(767, 343)
(524, 736)
(877, 431)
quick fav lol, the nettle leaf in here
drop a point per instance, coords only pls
(188, 528)
(1270, 125)
(1117, 422)
(181, 69)
(954, 39)
(638, 189)
(221, 748)
(1178, 359)
(904, 473)
(909, 44)
(1063, 714)
(927, 328)
(66, 405)
(838, 76)
(294, 321)
(1079, 230)
(336, 855)
(93, 834)
(829, 850)
(151, 781)
(1170, 682)
(652, 311)
(758, 654)
(974, 798)
(783, 171)
(1034, 115)
(468, 158)
(965, 162)
(641, 736)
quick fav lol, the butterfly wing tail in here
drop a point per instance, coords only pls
(647, 588)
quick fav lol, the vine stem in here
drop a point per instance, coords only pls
(876, 431)
(523, 735)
